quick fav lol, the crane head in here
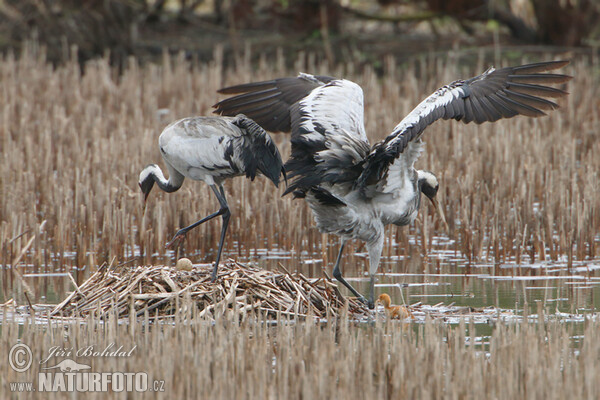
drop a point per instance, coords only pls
(146, 180)
(429, 185)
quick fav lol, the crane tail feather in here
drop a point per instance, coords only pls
(260, 154)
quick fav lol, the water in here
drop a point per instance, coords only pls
(443, 276)
(439, 282)
(569, 292)
(446, 276)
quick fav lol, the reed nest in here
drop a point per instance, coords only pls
(161, 291)
(158, 289)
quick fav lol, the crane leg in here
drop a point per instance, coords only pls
(223, 211)
(375, 248)
(371, 302)
(180, 235)
(337, 274)
(225, 215)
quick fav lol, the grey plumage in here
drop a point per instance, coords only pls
(212, 149)
(495, 94)
(355, 189)
(267, 102)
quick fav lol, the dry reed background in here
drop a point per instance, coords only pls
(72, 145)
(228, 360)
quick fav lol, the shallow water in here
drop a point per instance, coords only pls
(445, 276)
(442, 276)
(568, 292)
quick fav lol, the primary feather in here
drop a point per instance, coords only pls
(353, 188)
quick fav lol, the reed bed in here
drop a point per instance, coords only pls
(72, 143)
(228, 359)
(243, 289)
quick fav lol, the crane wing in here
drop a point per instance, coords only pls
(325, 116)
(329, 143)
(495, 94)
(268, 102)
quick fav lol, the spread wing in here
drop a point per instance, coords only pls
(495, 94)
(325, 116)
(268, 102)
(329, 143)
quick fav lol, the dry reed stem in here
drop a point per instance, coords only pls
(72, 144)
(232, 360)
(138, 290)
(135, 291)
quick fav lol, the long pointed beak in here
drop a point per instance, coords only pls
(440, 211)
(144, 198)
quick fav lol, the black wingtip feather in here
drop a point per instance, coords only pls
(495, 94)
(541, 66)
(246, 99)
(539, 78)
(247, 87)
(537, 90)
(533, 101)
(284, 175)
(521, 108)
(326, 198)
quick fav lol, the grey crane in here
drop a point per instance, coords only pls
(354, 189)
(212, 149)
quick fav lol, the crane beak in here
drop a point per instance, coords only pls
(144, 194)
(440, 212)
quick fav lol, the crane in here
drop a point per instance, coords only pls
(355, 189)
(212, 149)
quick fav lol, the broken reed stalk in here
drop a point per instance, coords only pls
(73, 142)
(240, 287)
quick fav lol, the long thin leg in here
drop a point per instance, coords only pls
(374, 248)
(337, 273)
(226, 214)
(182, 232)
(371, 302)
(180, 235)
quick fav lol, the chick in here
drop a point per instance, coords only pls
(394, 312)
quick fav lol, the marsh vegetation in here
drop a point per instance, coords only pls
(517, 192)
(226, 360)
(520, 196)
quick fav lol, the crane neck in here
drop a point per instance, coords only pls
(170, 185)
(153, 174)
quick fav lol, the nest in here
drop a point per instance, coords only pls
(157, 290)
